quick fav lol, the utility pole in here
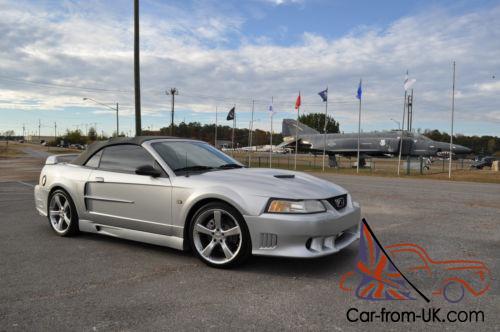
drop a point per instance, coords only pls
(137, 74)
(250, 132)
(117, 122)
(55, 132)
(24, 130)
(39, 127)
(324, 128)
(110, 107)
(216, 124)
(173, 92)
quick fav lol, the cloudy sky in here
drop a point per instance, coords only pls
(220, 53)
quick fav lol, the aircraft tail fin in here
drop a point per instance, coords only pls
(290, 126)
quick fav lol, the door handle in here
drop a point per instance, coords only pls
(99, 179)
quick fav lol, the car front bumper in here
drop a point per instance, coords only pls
(41, 195)
(304, 236)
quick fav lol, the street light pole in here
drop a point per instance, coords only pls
(398, 123)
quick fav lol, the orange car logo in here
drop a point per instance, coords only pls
(381, 279)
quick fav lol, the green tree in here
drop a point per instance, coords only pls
(491, 146)
(317, 122)
(74, 137)
(92, 135)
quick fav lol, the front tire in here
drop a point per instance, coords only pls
(62, 214)
(219, 236)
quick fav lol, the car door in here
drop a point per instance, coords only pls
(116, 196)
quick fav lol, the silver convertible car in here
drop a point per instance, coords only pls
(186, 194)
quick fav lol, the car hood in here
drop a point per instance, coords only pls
(265, 182)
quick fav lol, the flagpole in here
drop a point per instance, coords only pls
(324, 134)
(251, 134)
(359, 128)
(452, 116)
(232, 135)
(271, 138)
(296, 137)
(215, 141)
(401, 133)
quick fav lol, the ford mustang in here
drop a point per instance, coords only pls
(186, 194)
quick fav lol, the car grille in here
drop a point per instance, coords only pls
(338, 202)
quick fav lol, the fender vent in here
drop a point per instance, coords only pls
(268, 240)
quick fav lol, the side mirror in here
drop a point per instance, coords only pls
(148, 170)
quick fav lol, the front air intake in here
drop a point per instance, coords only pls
(268, 240)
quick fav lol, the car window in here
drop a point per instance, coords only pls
(179, 154)
(125, 158)
(94, 160)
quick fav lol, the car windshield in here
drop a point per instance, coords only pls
(192, 156)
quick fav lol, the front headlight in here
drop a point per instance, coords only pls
(288, 206)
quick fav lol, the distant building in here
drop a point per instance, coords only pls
(222, 143)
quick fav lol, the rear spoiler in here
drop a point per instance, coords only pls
(60, 158)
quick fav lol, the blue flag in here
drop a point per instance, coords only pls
(324, 94)
(360, 91)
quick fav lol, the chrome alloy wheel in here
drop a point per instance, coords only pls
(217, 236)
(60, 213)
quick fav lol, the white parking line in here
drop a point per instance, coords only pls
(26, 184)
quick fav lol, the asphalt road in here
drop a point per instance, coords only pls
(92, 282)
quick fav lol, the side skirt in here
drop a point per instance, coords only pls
(129, 234)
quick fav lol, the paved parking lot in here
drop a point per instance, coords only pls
(92, 282)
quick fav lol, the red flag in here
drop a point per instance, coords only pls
(297, 103)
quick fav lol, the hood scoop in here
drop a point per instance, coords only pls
(284, 176)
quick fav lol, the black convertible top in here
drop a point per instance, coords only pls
(96, 146)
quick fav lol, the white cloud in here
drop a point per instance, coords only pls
(283, 2)
(196, 52)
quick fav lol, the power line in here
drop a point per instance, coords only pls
(66, 86)
(229, 100)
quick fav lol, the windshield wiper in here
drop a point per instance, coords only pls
(193, 168)
(228, 166)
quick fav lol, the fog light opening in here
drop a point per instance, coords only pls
(308, 243)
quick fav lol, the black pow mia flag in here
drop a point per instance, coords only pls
(230, 115)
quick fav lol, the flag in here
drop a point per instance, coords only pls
(324, 94)
(380, 278)
(408, 83)
(360, 91)
(297, 102)
(230, 115)
(271, 109)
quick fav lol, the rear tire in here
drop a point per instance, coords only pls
(62, 214)
(219, 235)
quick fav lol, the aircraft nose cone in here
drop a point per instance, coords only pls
(459, 149)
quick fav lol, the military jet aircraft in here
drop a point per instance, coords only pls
(380, 144)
